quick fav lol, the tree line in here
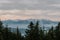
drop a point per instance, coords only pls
(33, 32)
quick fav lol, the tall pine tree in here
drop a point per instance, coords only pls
(30, 32)
(36, 31)
(1, 30)
(19, 36)
(6, 33)
(51, 34)
(33, 32)
(57, 32)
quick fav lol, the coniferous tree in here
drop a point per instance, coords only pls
(19, 36)
(57, 32)
(30, 32)
(6, 33)
(10, 33)
(36, 31)
(1, 28)
(51, 34)
(42, 34)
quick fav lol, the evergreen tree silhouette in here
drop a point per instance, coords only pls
(19, 36)
(51, 34)
(57, 32)
(6, 33)
(36, 31)
(42, 34)
(30, 32)
(33, 32)
(1, 28)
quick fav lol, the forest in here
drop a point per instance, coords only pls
(34, 32)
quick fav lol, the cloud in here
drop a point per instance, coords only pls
(22, 12)
(29, 4)
(29, 14)
(27, 9)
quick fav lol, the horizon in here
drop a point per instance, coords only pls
(30, 20)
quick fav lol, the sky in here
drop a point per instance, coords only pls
(30, 9)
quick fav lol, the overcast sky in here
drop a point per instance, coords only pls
(30, 9)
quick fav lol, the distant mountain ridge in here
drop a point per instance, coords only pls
(26, 22)
(22, 24)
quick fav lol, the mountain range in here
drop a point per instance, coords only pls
(23, 24)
